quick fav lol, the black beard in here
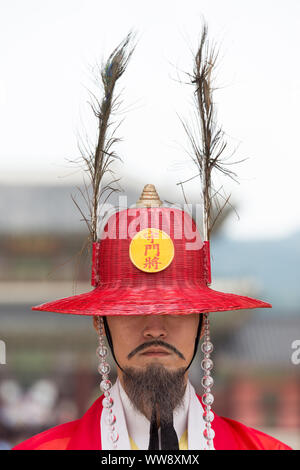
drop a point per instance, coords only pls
(155, 387)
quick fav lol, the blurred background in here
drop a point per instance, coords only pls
(48, 51)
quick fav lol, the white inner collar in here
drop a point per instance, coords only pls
(131, 423)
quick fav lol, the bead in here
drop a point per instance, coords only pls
(105, 385)
(207, 347)
(209, 433)
(102, 351)
(208, 416)
(110, 419)
(104, 368)
(207, 381)
(107, 402)
(207, 364)
(208, 398)
(209, 445)
(100, 330)
(113, 436)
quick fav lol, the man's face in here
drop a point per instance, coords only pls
(133, 337)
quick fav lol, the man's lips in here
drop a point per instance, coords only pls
(155, 352)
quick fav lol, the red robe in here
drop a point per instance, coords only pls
(84, 434)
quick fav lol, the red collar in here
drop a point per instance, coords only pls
(87, 436)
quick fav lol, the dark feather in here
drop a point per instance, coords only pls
(209, 145)
(97, 162)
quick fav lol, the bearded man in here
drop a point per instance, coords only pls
(151, 273)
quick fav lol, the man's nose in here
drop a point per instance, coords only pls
(155, 327)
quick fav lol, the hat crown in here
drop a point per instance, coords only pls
(149, 197)
(115, 267)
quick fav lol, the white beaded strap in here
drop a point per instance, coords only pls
(207, 383)
(105, 385)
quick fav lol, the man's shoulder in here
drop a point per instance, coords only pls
(246, 437)
(233, 435)
(56, 438)
(81, 434)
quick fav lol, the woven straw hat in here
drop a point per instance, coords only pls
(150, 261)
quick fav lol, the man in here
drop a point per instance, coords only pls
(151, 272)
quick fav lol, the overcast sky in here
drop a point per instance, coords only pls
(47, 50)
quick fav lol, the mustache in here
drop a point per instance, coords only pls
(155, 342)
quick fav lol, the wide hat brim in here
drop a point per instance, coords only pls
(123, 286)
(157, 301)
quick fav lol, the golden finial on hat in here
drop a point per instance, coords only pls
(149, 197)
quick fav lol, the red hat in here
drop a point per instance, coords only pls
(150, 261)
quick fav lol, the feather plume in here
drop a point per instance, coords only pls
(207, 140)
(98, 158)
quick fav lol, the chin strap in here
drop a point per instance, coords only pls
(110, 343)
(197, 339)
(169, 438)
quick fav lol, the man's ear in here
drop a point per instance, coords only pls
(202, 326)
(95, 323)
